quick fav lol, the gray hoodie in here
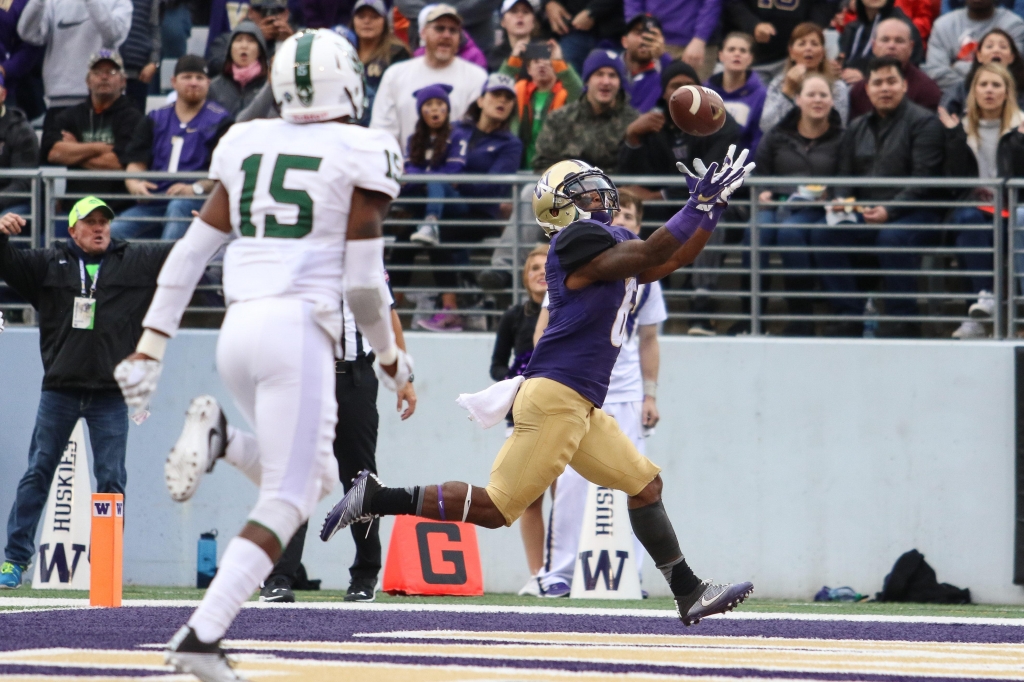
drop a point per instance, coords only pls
(224, 90)
(71, 31)
(952, 31)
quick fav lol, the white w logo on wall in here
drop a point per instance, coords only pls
(62, 560)
(605, 564)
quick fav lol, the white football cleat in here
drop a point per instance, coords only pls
(202, 442)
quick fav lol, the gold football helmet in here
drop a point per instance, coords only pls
(569, 191)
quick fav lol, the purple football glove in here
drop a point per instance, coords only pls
(707, 190)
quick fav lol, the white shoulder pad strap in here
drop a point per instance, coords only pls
(181, 272)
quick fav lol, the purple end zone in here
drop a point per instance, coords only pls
(73, 671)
(130, 627)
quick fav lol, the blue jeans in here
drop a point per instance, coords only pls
(442, 190)
(788, 236)
(177, 211)
(576, 45)
(968, 239)
(888, 235)
(59, 411)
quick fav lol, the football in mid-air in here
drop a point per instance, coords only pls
(697, 110)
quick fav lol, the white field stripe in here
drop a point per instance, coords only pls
(528, 610)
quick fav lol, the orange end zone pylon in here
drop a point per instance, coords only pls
(106, 549)
(433, 558)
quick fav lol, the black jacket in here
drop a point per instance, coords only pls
(910, 142)
(50, 280)
(18, 149)
(115, 125)
(515, 335)
(745, 15)
(658, 153)
(783, 151)
(855, 40)
(961, 161)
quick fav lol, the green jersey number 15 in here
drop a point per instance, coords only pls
(251, 168)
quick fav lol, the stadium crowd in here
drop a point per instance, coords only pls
(868, 88)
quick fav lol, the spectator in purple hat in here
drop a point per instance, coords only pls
(591, 128)
(178, 137)
(687, 25)
(427, 151)
(644, 56)
(481, 143)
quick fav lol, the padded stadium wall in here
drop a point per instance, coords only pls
(793, 463)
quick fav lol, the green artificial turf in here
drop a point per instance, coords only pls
(665, 603)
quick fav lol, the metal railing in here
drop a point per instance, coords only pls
(739, 278)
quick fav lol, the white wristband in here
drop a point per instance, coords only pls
(650, 388)
(389, 356)
(152, 344)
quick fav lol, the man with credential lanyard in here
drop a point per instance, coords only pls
(91, 293)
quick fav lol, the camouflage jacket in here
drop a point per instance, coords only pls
(576, 132)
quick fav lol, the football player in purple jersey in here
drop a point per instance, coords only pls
(592, 271)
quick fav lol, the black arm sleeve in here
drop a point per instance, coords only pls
(504, 342)
(140, 147)
(581, 243)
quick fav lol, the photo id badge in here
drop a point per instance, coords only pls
(85, 313)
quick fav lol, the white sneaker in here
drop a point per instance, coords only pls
(970, 330)
(426, 234)
(985, 306)
(188, 655)
(202, 441)
(531, 589)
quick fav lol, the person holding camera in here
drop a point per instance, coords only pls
(644, 56)
(548, 84)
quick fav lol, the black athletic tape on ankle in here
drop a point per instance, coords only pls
(440, 503)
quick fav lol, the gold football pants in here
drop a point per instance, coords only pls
(555, 426)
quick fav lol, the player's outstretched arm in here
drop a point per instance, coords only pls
(676, 243)
(366, 289)
(138, 374)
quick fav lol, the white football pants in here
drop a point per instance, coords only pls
(565, 522)
(278, 364)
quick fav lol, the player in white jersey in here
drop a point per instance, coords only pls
(631, 401)
(304, 198)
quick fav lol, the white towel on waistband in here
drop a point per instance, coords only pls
(489, 406)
